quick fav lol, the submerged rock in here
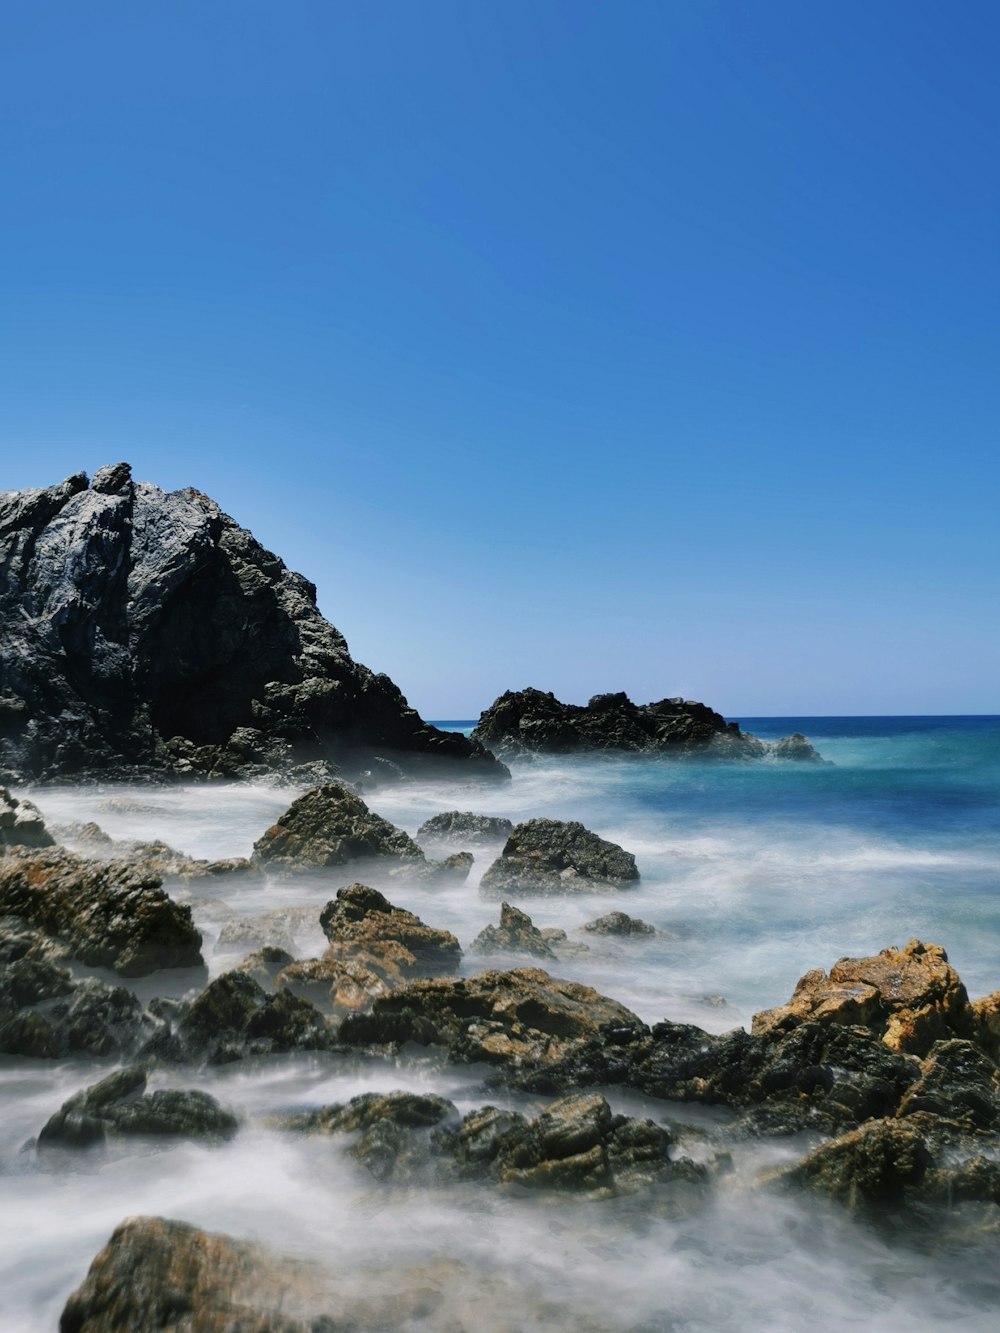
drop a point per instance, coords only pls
(525, 721)
(548, 856)
(521, 1019)
(330, 826)
(911, 997)
(110, 915)
(619, 923)
(21, 824)
(148, 631)
(459, 828)
(120, 1107)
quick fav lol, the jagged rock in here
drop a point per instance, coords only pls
(525, 721)
(547, 856)
(101, 1020)
(459, 828)
(110, 915)
(21, 823)
(453, 869)
(330, 826)
(148, 631)
(31, 980)
(958, 1083)
(986, 1024)
(18, 939)
(157, 1275)
(911, 997)
(234, 1018)
(619, 923)
(373, 947)
(523, 1018)
(874, 1166)
(264, 964)
(119, 1107)
(516, 933)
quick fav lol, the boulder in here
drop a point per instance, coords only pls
(796, 748)
(516, 933)
(110, 915)
(548, 856)
(527, 721)
(97, 1020)
(155, 1274)
(911, 997)
(619, 923)
(958, 1083)
(875, 1166)
(330, 826)
(374, 947)
(120, 1107)
(21, 824)
(461, 828)
(519, 1019)
(146, 631)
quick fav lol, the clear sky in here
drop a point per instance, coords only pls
(648, 345)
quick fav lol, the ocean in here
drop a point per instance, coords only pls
(752, 874)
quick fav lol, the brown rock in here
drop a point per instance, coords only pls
(110, 915)
(911, 997)
(874, 1165)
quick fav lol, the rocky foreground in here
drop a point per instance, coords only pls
(532, 721)
(881, 1071)
(146, 632)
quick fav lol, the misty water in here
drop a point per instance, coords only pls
(752, 874)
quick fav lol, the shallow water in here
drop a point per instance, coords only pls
(752, 873)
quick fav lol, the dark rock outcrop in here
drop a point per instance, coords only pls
(548, 856)
(331, 826)
(120, 1107)
(459, 828)
(110, 915)
(97, 1020)
(526, 721)
(519, 1019)
(21, 824)
(619, 923)
(148, 631)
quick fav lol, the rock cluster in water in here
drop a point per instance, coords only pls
(533, 721)
(146, 631)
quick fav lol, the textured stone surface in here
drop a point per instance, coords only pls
(21, 824)
(110, 915)
(522, 721)
(548, 856)
(521, 1018)
(911, 996)
(619, 923)
(147, 630)
(458, 828)
(516, 933)
(330, 826)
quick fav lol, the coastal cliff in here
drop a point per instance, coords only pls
(146, 631)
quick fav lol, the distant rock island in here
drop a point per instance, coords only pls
(143, 631)
(527, 721)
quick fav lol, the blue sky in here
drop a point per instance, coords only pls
(644, 346)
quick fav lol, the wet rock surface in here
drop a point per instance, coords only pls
(525, 721)
(550, 856)
(146, 630)
(331, 826)
(119, 1107)
(619, 923)
(110, 915)
(516, 933)
(520, 1019)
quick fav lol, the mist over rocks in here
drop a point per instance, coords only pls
(553, 856)
(331, 826)
(528, 721)
(145, 632)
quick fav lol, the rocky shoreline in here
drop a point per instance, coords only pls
(882, 1069)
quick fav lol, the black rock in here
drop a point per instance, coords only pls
(525, 721)
(148, 631)
(119, 1106)
(516, 933)
(458, 828)
(331, 826)
(548, 856)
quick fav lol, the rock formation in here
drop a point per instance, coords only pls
(549, 856)
(461, 828)
(526, 721)
(144, 630)
(331, 826)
